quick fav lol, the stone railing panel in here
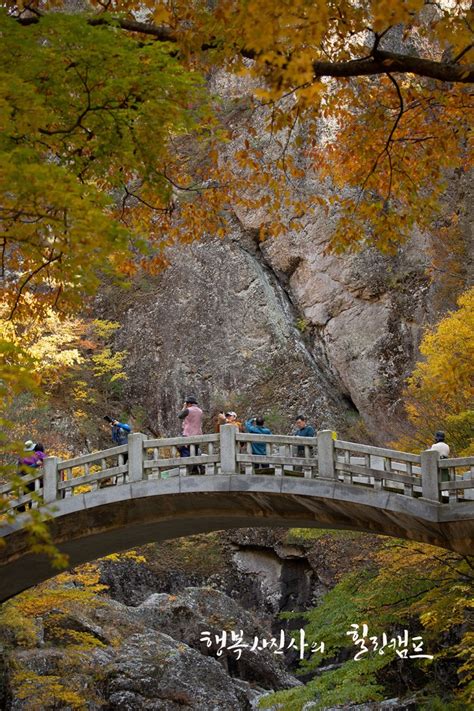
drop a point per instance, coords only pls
(181, 456)
(90, 472)
(25, 496)
(285, 455)
(378, 467)
(456, 479)
(355, 447)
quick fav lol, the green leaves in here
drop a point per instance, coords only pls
(84, 111)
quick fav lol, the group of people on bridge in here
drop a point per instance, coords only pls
(191, 416)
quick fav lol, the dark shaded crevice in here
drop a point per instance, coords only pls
(310, 345)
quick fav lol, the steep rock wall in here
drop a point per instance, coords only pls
(284, 326)
(276, 328)
(219, 323)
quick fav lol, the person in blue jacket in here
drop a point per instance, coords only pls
(120, 432)
(302, 430)
(255, 425)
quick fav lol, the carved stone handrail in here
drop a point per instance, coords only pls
(232, 453)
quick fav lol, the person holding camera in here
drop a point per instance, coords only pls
(256, 425)
(228, 418)
(120, 430)
(191, 417)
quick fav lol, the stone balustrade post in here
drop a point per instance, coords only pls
(326, 468)
(135, 456)
(228, 449)
(430, 475)
(50, 479)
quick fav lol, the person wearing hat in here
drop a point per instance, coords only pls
(228, 418)
(443, 449)
(191, 417)
(33, 455)
(32, 459)
(29, 446)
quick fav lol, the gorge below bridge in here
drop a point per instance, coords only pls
(144, 491)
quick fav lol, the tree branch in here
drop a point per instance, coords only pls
(461, 54)
(28, 279)
(379, 63)
(396, 63)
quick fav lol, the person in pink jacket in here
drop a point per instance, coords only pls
(191, 417)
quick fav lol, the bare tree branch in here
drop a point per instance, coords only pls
(399, 64)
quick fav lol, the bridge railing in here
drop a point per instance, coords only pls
(284, 455)
(457, 478)
(230, 452)
(181, 456)
(378, 467)
(90, 472)
(27, 492)
(425, 474)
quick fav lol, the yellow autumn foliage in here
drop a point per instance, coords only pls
(51, 341)
(440, 391)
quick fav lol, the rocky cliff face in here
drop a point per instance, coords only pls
(219, 324)
(283, 326)
(277, 328)
(147, 657)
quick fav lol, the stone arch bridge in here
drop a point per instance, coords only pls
(145, 491)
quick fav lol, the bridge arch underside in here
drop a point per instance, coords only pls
(89, 526)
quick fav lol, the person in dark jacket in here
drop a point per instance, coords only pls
(120, 432)
(302, 430)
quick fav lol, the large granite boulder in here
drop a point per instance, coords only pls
(146, 657)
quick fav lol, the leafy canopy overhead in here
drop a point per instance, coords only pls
(85, 112)
(356, 107)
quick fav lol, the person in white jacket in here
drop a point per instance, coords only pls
(443, 449)
(440, 445)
